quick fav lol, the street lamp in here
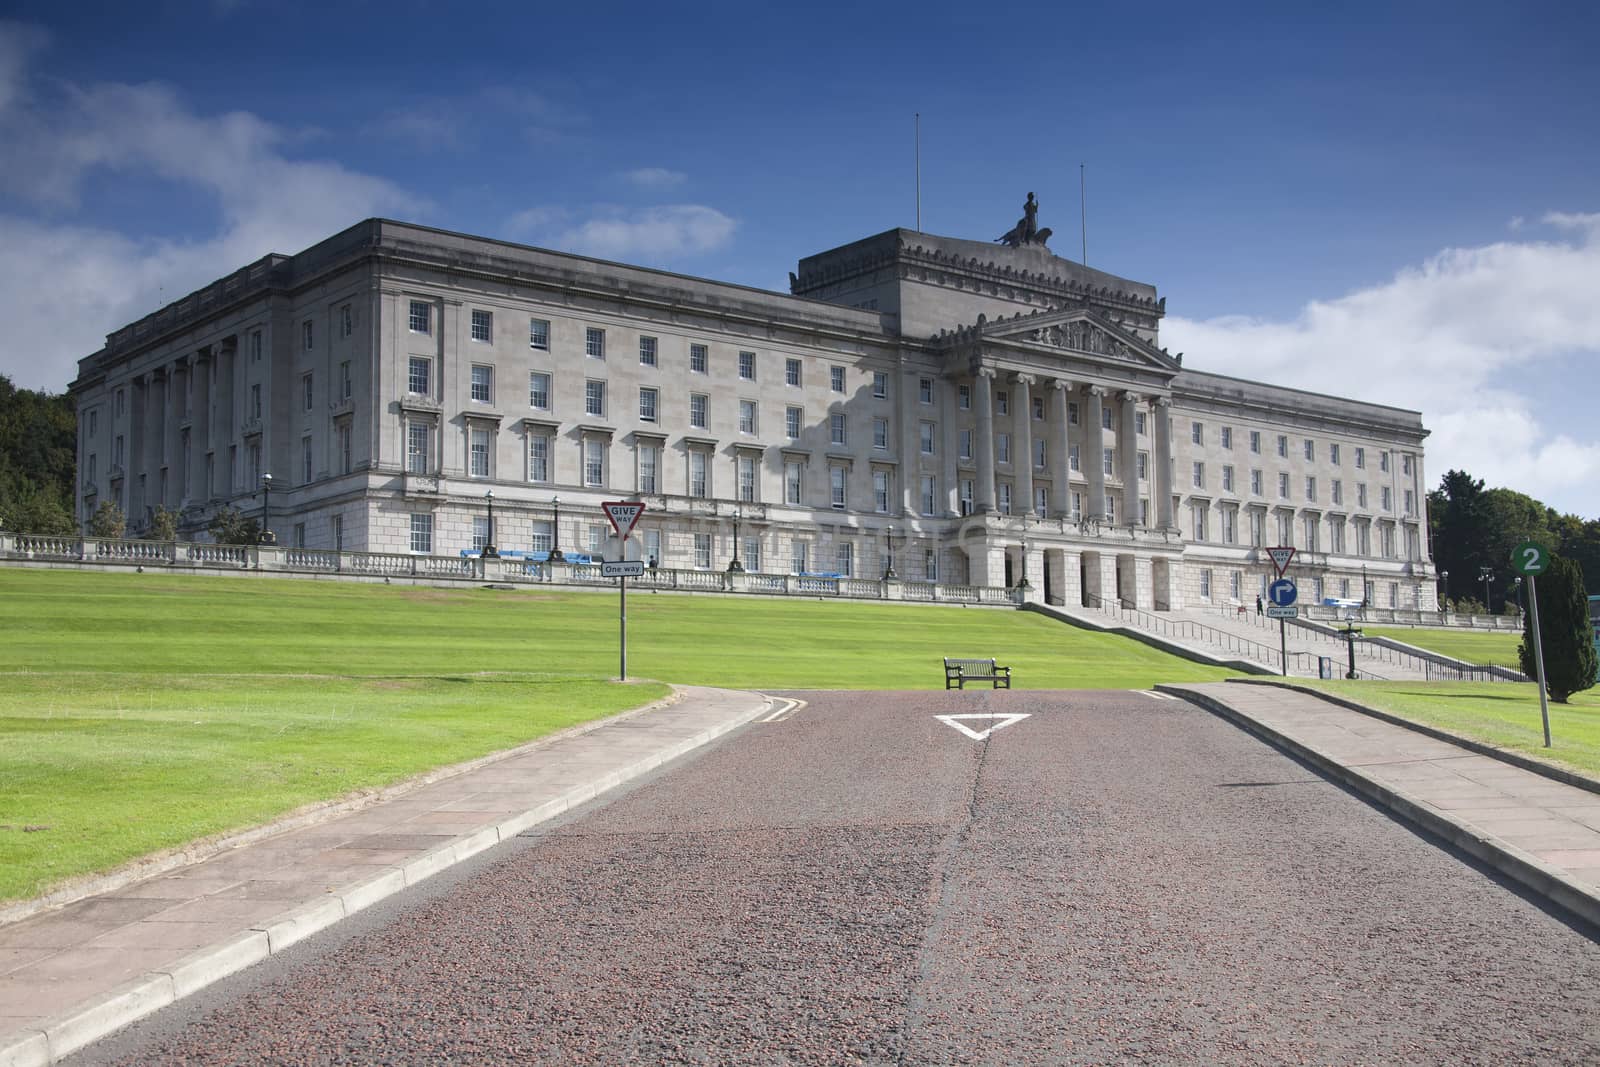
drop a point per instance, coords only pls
(1445, 576)
(489, 551)
(1022, 583)
(734, 566)
(1519, 595)
(266, 499)
(1364, 596)
(1486, 575)
(888, 572)
(555, 532)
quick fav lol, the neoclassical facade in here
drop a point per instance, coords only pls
(963, 411)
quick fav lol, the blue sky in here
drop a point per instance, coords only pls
(1395, 202)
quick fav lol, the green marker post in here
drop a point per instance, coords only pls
(1531, 559)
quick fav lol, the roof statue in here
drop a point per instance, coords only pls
(1026, 231)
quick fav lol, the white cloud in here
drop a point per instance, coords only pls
(654, 177)
(65, 284)
(1468, 338)
(659, 234)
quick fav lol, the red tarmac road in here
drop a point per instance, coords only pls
(1114, 878)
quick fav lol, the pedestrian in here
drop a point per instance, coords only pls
(1258, 603)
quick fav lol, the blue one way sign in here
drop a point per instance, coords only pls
(1282, 592)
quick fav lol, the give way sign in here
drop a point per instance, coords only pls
(623, 514)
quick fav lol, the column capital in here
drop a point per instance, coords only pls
(1096, 390)
(985, 372)
(1162, 401)
(1128, 396)
(1061, 384)
(1024, 379)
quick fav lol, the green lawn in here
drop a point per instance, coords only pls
(1502, 714)
(1481, 647)
(143, 711)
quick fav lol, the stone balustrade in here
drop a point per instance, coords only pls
(94, 553)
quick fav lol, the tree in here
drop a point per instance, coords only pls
(1579, 540)
(228, 527)
(1565, 634)
(1459, 516)
(163, 525)
(38, 443)
(107, 521)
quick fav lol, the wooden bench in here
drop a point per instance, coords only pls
(958, 672)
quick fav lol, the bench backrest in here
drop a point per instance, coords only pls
(968, 664)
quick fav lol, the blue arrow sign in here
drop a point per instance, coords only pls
(1282, 592)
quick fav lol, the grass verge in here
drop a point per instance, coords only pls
(1502, 714)
(1479, 648)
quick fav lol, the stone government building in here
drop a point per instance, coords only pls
(949, 405)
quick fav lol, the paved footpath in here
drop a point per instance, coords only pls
(1541, 832)
(74, 974)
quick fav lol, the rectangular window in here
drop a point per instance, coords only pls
(925, 390)
(308, 332)
(1074, 458)
(880, 434)
(482, 326)
(647, 351)
(797, 557)
(791, 372)
(1405, 464)
(964, 495)
(594, 342)
(1002, 448)
(1229, 521)
(1311, 489)
(699, 405)
(1336, 489)
(1197, 432)
(1227, 479)
(747, 366)
(538, 458)
(880, 491)
(345, 438)
(305, 460)
(1309, 525)
(1361, 458)
(482, 384)
(930, 495)
(594, 398)
(539, 334)
(422, 534)
(1411, 502)
(1258, 522)
(930, 564)
(836, 379)
(478, 454)
(1143, 461)
(1283, 446)
(836, 428)
(1383, 462)
(1333, 454)
(697, 474)
(338, 533)
(480, 532)
(1205, 583)
(421, 317)
(1283, 485)
(1139, 424)
(255, 401)
(1039, 449)
(539, 390)
(1199, 519)
(647, 404)
(1003, 493)
(1002, 402)
(846, 556)
(964, 397)
(836, 486)
(1255, 441)
(594, 461)
(702, 551)
(306, 391)
(417, 379)
(1255, 482)
(649, 469)
(752, 554)
(346, 382)
(1107, 419)
(793, 417)
(964, 446)
(1072, 413)
(792, 482)
(880, 385)
(1361, 494)
(1227, 437)
(1199, 475)
(1110, 456)
(697, 359)
(747, 416)
(255, 346)
(1388, 498)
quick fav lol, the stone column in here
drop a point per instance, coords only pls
(984, 504)
(1094, 446)
(1128, 453)
(1161, 480)
(1058, 456)
(1022, 434)
(138, 456)
(170, 447)
(200, 426)
(950, 434)
(157, 416)
(910, 444)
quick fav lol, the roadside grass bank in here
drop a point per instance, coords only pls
(1480, 648)
(141, 712)
(1502, 714)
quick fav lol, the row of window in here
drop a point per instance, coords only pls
(1317, 592)
(1335, 488)
(1310, 529)
(1197, 435)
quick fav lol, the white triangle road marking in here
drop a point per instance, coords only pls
(997, 722)
(1153, 695)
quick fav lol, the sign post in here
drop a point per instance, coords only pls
(622, 514)
(1531, 559)
(1282, 593)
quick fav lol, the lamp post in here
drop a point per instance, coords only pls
(489, 551)
(1519, 595)
(1445, 577)
(555, 532)
(734, 566)
(888, 571)
(1022, 583)
(1486, 575)
(266, 500)
(1364, 597)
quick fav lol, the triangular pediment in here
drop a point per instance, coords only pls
(1080, 330)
